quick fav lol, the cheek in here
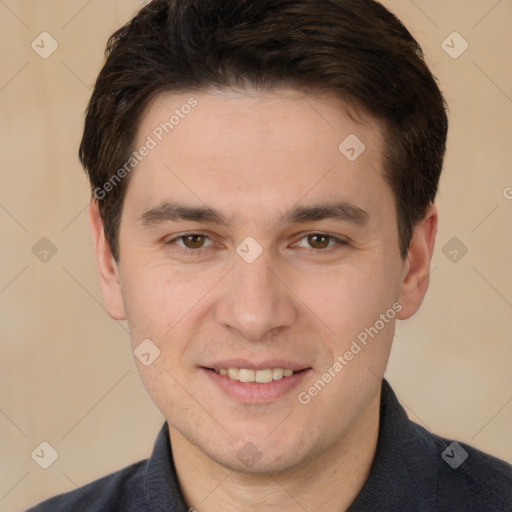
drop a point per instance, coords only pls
(158, 297)
(160, 306)
(349, 303)
(348, 299)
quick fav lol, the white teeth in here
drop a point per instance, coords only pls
(277, 373)
(264, 376)
(233, 373)
(261, 376)
(246, 375)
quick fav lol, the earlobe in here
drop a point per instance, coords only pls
(415, 278)
(107, 266)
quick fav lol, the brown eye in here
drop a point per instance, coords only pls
(193, 241)
(319, 241)
(190, 244)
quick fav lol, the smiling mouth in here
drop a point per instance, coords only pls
(263, 376)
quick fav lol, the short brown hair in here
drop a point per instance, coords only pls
(355, 49)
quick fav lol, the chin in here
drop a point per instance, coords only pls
(251, 460)
(259, 455)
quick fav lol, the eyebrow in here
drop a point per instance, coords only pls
(173, 212)
(340, 211)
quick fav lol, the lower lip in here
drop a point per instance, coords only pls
(255, 392)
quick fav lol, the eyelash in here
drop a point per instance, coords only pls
(188, 251)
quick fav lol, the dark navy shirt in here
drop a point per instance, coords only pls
(413, 470)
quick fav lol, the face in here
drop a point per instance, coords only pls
(251, 241)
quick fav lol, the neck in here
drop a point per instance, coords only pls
(329, 481)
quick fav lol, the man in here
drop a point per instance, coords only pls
(263, 178)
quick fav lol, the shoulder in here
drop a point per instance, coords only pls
(122, 491)
(469, 479)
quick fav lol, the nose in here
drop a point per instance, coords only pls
(255, 302)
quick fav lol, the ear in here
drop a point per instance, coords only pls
(107, 266)
(416, 269)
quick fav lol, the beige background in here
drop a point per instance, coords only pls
(67, 373)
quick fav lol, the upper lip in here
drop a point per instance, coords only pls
(261, 365)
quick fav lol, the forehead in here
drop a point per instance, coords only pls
(257, 152)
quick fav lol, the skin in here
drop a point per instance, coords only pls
(253, 156)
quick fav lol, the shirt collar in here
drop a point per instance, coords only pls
(161, 483)
(403, 475)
